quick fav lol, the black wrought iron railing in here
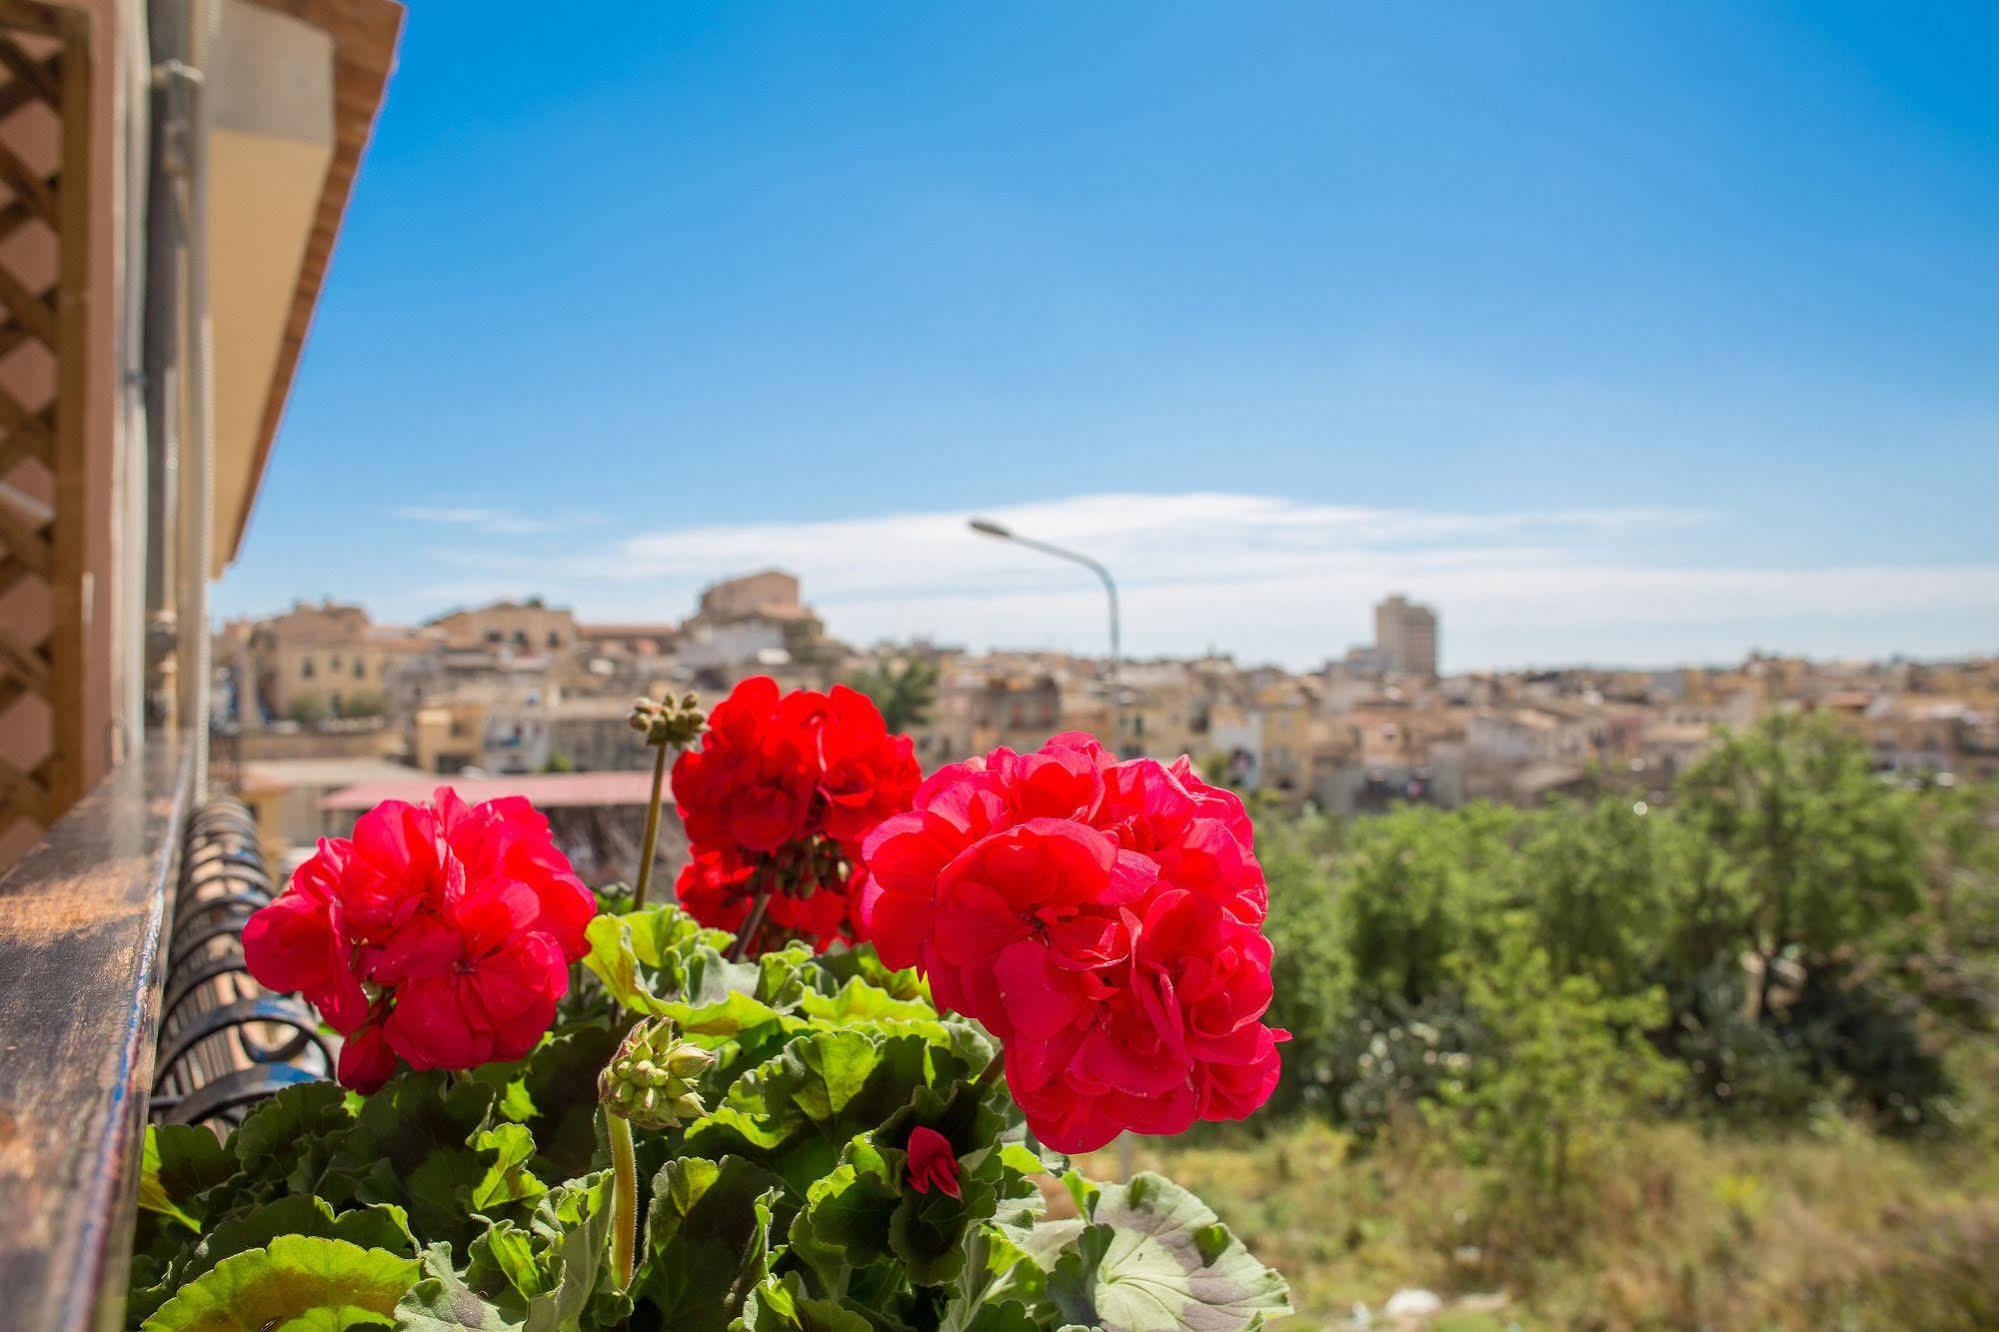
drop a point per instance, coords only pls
(225, 1042)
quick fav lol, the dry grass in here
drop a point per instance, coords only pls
(1832, 1229)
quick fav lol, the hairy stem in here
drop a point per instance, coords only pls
(652, 829)
(624, 1198)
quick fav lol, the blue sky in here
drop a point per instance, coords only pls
(1621, 333)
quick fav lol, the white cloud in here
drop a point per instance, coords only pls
(495, 522)
(1265, 577)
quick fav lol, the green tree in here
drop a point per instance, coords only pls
(1408, 892)
(904, 689)
(1601, 881)
(307, 709)
(1810, 854)
(1311, 977)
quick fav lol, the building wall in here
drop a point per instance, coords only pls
(734, 643)
(521, 627)
(750, 594)
(449, 736)
(1406, 635)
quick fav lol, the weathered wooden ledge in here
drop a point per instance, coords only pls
(82, 919)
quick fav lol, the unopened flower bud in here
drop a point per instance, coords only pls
(650, 1080)
(688, 1061)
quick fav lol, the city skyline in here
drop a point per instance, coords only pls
(680, 562)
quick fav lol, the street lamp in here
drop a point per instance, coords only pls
(1000, 531)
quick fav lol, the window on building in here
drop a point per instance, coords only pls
(554, 639)
(360, 669)
(305, 669)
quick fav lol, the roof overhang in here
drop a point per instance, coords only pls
(297, 85)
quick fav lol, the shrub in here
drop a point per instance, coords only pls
(1737, 1067)
(1866, 1037)
(1566, 1066)
(1389, 1058)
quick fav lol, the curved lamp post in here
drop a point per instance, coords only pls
(999, 531)
(987, 527)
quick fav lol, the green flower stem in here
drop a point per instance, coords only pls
(652, 828)
(624, 1198)
(991, 1073)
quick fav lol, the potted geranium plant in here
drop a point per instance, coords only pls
(849, 1113)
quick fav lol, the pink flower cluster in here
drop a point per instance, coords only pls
(440, 934)
(1103, 919)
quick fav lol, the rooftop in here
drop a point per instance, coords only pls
(568, 790)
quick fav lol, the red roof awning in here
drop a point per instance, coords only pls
(566, 790)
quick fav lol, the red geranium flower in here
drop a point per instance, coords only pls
(440, 934)
(1103, 919)
(775, 799)
(749, 783)
(932, 1163)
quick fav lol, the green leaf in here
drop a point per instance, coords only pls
(380, 1227)
(537, 1279)
(1154, 1257)
(285, 1143)
(781, 1305)
(785, 974)
(299, 1283)
(179, 1163)
(414, 1144)
(442, 1302)
(846, 1218)
(797, 1111)
(554, 1092)
(573, 1225)
(730, 1014)
(707, 1239)
(645, 958)
(862, 962)
(508, 1178)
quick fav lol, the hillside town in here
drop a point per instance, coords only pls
(325, 711)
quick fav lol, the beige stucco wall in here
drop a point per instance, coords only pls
(272, 146)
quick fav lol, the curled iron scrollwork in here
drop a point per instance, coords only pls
(225, 1041)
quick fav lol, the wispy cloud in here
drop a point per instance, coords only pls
(1266, 577)
(494, 522)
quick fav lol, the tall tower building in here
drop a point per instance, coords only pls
(1405, 634)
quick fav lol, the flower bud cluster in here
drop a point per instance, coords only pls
(670, 722)
(651, 1079)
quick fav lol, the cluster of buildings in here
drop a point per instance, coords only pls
(320, 702)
